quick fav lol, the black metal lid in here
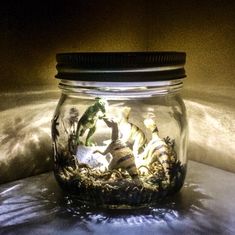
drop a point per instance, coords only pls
(121, 66)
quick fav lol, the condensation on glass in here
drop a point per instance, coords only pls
(119, 130)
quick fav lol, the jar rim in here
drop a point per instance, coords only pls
(121, 66)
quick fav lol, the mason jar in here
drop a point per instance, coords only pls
(119, 130)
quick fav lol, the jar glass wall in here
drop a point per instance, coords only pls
(120, 134)
(120, 145)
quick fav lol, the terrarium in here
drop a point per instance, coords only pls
(119, 130)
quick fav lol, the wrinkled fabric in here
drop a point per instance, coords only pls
(211, 117)
(25, 138)
(36, 205)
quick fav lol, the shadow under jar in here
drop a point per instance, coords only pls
(119, 130)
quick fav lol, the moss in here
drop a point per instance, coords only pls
(116, 188)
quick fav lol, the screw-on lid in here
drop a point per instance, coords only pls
(121, 66)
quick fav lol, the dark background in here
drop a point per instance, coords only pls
(32, 32)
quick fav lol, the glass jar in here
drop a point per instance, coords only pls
(119, 130)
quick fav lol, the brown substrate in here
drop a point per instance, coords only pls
(116, 188)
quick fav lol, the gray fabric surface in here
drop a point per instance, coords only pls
(25, 142)
(205, 205)
(211, 114)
